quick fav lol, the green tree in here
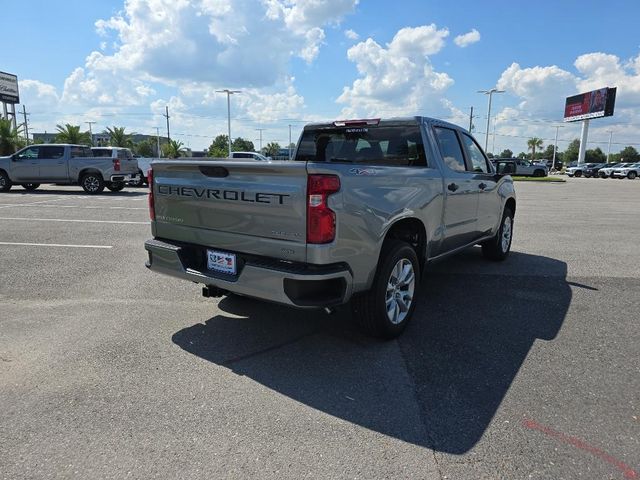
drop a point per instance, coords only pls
(629, 154)
(72, 134)
(9, 138)
(522, 155)
(534, 143)
(506, 153)
(173, 149)
(145, 148)
(219, 148)
(272, 149)
(548, 153)
(242, 145)
(490, 155)
(595, 156)
(571, 153)
(118, 138)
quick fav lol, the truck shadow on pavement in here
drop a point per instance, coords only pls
(138, 192)
(437, 386)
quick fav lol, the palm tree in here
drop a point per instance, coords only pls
(272, 149)
(9, 139)
(72, 134)
(173, 149)
(117, 137)
(533, 143)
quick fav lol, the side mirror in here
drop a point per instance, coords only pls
(14, 157)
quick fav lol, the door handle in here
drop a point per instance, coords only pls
(482, 186)
(452, 187)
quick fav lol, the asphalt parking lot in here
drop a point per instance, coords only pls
(525, 369)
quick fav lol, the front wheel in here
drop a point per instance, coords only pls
(631, 175)
(499, 246)
(115, 186)
(538, 173)
(92, 183)
(30, 187)
(385, 310)
(577, 174)
(5, 182)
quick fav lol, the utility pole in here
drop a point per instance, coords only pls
(90, 131)
(609, 146)
(471, 117)
(229, 93)
(261, 130)
(26, 125)
(289, 142)
(166, 115)
(489, 92)
(555, 147)
(158, 142)
(493, 145)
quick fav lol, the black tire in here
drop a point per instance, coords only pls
(92, 183)
(5, 182)
(30, 187)
(116, 186)
(632, 175)
(369, 308)
(495, 249)
(577, 174)
(538, 173)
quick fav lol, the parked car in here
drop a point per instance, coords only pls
(64, 164)
(355, 217)
(579, 169)
(558, 164)
(630, 172)
(250, 156)
(520, 167)
(144, 164)
(592, 169)
(607, 172)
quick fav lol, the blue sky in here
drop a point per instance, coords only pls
(118, 63)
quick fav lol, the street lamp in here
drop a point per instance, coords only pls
(490, 93)
(229, 93)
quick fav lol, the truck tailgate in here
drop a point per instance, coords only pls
(248, 207)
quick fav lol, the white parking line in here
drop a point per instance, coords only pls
(8, 205)
(72, 220)
(55, 245)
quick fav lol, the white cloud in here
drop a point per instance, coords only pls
(467, 39)
(351, 35)
(397, 79)
(38, 95)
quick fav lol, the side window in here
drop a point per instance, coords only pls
(479, 162)
(450, 149)
(31, 152)
(101, 152)
(51, 152)
(78, 152)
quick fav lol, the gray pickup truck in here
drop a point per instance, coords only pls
(65, 164)
(358, 215)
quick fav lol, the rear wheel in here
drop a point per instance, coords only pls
(116, 186)
(5, 182)
(30, 186)
(631, 175)
(92, 183)
(140, 182)
(499, 246)
(538, 173)
(385, 310)
(578, 173)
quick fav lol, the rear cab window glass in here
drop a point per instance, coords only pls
(450, 149)
(78, 152)
(51, 152)
(384, 145)
(101, 152)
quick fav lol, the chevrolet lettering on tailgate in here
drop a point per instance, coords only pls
(217, 194)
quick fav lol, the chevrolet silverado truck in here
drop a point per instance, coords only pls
(67, 165)
(356, 218)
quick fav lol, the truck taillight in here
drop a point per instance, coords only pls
(321, 220)
(116, 164)
(152, 209)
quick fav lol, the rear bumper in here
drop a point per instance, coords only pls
(125, 177)
(295, 284)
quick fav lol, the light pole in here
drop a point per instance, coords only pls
(489, 92)
(609, 146)
(90, 131)
(555, 147)
(260, 130)
(158, 142)
(229, 93)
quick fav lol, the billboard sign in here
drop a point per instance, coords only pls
(594, 104)
(9, 88)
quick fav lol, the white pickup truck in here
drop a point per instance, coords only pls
(65, 164)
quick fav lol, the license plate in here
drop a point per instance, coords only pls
(221, 262)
